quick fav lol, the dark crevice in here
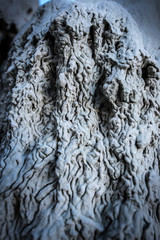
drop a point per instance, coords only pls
(107, 27)
(120, 93)
(100, 101)
(52, 89)
(98, 95)
(17, 208)
(7, 33)
(34, 41)
(51, 41)
(91, 40)
(106, 30)
(117, 45)
(144, 72)
(29, 11)
(158, 212)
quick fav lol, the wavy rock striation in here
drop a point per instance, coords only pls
(80, 119)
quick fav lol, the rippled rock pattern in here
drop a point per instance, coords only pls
(80, 119)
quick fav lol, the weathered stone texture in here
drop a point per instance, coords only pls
(80, 118)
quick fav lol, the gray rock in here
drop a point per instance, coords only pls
(80, 148)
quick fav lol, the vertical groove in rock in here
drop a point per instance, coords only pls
(80, 128)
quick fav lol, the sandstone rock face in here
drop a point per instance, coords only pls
(80, 118)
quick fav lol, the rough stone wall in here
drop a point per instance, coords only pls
(80, 118)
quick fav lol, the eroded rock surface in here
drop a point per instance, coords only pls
(80, 119)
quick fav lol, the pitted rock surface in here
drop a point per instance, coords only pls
(80, 118)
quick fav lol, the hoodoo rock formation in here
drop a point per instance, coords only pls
(80, 128)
